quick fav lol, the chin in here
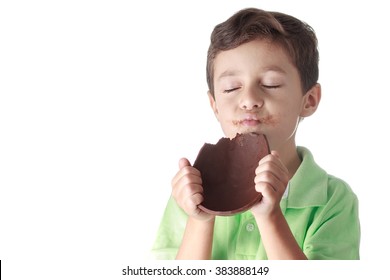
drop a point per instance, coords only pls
(251, 131)
(242, 130)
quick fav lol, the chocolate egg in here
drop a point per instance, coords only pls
(228, 171)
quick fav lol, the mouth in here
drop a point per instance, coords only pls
(253, 124)
(247, 121)
(253, 121)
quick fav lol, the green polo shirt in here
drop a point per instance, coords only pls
(321, 210)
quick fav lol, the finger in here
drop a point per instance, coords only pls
(185, 171)
(187, 187)
(196, 211)
(183, 162)
(275, 153)
(267, 191)
(191, 182)
(271, 167)
(191, 202)
(275, 158)
(197, 198)
(269, 178)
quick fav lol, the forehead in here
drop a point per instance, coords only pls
(257, 55)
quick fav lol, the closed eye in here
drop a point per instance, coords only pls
(271, 86)
(230, 90)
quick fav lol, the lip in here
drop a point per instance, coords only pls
(248, 120)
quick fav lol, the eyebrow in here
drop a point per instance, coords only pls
(274, 68)
(228, 73)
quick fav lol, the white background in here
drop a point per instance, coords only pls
(100, 99)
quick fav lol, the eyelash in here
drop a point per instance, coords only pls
(271, 87)
(264, 86)
(230, 90)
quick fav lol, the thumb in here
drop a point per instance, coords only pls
(183, 162)
(275, 153)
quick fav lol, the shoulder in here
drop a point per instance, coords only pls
(339, 190)
(313, 186)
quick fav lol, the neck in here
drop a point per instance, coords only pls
(291, 159)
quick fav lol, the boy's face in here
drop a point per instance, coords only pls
(257, 89)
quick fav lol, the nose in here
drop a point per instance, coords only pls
(251, 99)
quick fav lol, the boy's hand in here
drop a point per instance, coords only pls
(271, 181)
(187, 190)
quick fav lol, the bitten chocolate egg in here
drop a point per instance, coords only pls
(228, 171)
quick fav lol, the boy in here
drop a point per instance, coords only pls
(262, 73)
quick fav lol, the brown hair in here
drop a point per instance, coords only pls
(296, 37)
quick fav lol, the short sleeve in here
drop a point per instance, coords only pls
(170, 232)
(335, 233)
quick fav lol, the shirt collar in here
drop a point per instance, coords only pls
(308, 186)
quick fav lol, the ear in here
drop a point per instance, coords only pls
(311, 100)
(213, 104)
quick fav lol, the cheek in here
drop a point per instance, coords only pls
(282, 125)
(271, 120)
(290, 126)
(223, 109)
(288, 119)
(226, 122)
